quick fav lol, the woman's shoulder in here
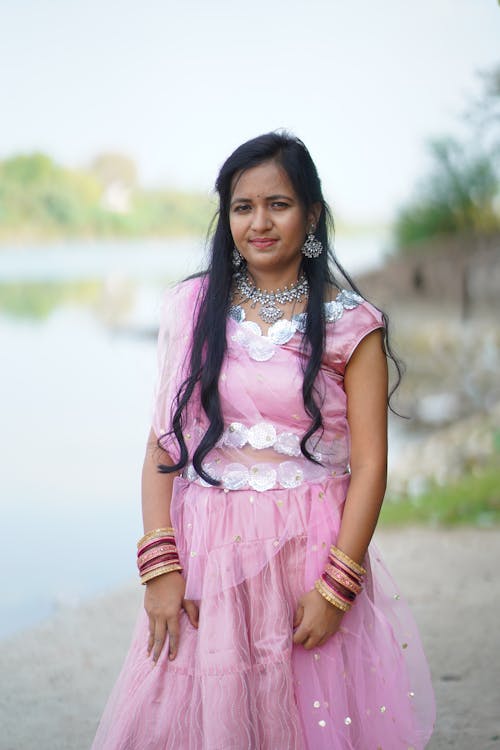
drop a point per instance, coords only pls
(184, 292)
(350, 317)
(189, 286)
(178, 304)
(349, 306)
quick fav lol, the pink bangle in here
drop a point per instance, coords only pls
(155, 543)
(338, 588)
(328, 581)
(159, 565)
(342, 578)
(155, 533)
(171, 554)
(353, 576)
(161, 558)
(145, 556)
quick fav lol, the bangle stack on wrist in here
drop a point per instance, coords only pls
(341, 581)
(157, 554)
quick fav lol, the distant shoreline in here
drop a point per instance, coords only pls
(42, 237)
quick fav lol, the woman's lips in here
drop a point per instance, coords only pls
(262, 242)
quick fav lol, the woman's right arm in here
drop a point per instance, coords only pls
(164, 597)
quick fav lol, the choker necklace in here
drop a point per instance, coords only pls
(269, 311)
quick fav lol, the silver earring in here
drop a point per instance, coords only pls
(237, 259)
(312, 247)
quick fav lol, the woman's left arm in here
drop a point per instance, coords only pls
(365, 383)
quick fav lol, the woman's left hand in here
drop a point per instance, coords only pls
(315, 620)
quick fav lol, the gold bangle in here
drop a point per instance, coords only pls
(160, 571)
(336, 552)
(330, 597)
(155, 533)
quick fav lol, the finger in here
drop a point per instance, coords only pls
(301, 634)
(159, 638)
(299, 614)
(310, 642)
(192, 612)
(173, 641)
(151, 635)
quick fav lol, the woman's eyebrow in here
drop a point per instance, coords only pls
(269, 198)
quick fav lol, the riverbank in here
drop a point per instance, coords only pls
(450, 447)
(57, 677)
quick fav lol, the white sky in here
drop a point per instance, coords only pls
(178, 85)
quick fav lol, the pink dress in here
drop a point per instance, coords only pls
(250, 548)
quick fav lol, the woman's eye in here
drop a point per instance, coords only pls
(241, 208)
(279, 204)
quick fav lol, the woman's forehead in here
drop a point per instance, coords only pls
(268, 178)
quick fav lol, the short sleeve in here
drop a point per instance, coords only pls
(176, 314)
(347, 333)
(368, 319)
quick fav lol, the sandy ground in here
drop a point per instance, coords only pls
(56, 678)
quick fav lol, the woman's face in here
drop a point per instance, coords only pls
(267, 221)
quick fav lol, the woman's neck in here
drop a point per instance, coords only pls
(271, 280)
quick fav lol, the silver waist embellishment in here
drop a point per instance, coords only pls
(261, 435)
(259, 477)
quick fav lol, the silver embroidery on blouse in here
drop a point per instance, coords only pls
(288, 443)
(260, 435)
(349, 299)
(262, 347)
(264, 435)
(236, 435)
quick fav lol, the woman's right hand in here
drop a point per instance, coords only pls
(163, 601)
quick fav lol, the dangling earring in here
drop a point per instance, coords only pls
(312, 247)
(237, 259)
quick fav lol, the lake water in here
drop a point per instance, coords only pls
(76, 386)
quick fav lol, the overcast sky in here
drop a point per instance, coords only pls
(178, 85)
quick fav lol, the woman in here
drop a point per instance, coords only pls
(270, 620)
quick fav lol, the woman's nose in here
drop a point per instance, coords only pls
(260, 219)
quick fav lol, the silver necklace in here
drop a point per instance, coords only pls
(269, 312)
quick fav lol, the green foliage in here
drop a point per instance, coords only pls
(461, 192)
(474, 500)
(175, 210)
(39, 299)
(39, 199)
(109, 168)
(458, 195)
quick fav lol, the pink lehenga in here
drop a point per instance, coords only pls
(250, 548)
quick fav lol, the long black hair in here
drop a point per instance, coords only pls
(209, 342)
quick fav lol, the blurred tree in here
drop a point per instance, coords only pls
(118, 176)
(114, 168)
(483, 114)
(462, 189)
(40, 199)
(28, 168)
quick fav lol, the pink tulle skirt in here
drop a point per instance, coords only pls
(238, 681)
